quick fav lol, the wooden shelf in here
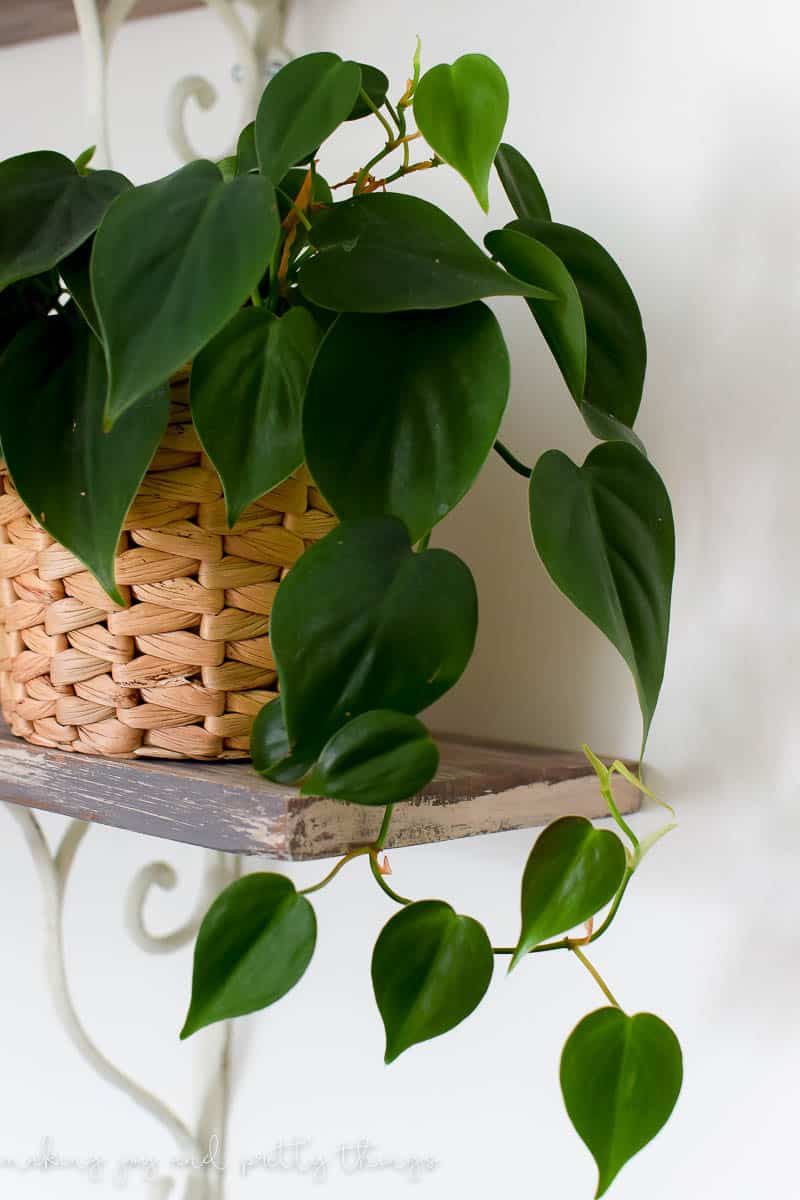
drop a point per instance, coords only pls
(480, 788)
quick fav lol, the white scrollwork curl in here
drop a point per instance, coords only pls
(259, 53)
(54, 870)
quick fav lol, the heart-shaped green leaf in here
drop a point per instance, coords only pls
(521, 184)
(270, 750)
(247, 393)
(430, 969)
(378, 758)
(361, 622)
(172, 262)
(376, 85)
(389, 252)
(616, 350)
(255, 943)
(563, 323)
(80, 481)
(461, 112)
(620, 1077)
(573, 870)
(442, 378)
(302, 106)
(47, 209)
(604, 532)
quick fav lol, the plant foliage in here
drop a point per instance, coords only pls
(348, 329)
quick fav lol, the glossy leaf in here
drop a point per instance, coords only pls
(172, 263)
(572, 872)
(376, 85)
(430, 969)
(521, 184)
(604, 532)
(616, 350)
(302, 106)
(461, 112)
(270, 750)
(411, 443)
(386, 252)
(247, 391)
(47, 209)
(361, 622)
(380, 757)
(254, 944)
(620, 1078)
(561, 320)
(80, 481)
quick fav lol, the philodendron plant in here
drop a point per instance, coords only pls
(346, 326)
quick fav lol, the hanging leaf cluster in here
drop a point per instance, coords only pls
(350, 330)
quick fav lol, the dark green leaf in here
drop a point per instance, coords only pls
(22, 302)
(561, 321)
(79, 482)
(376, 85)
(47, 209)
(270, 750)
(378, 758)
(246, 154)
(361, 622)
(521, 184)
(620, 1077)
(411, 443)
(302, 106)
(172, 262)
(75, 271)
(389, 252)
(430, 969)
(573, 870)
(461, 112)
(616, 350)
(255, 943)
(604, 532)
(247, 394)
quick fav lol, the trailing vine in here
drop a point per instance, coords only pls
(350, 332)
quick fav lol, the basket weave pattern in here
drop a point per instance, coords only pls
(183, 669)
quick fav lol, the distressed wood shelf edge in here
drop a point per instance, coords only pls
(481, 788)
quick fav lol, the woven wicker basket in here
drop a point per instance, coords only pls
(182, 671)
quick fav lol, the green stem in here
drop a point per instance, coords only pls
(255, 298)
(612, 912)
(301, 216)
(596, 976)
(381, 882)
(512, 460)
(423, 542)
(335, 870)
(374, 108)
(400, 121)
(380, 840)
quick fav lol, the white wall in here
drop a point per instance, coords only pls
(669, 131)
